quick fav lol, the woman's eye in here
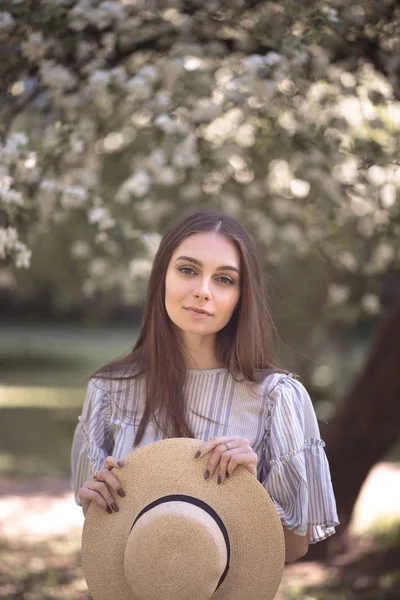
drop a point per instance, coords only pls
(187, 270)
(224, 279)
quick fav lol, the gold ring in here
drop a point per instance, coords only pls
(228, 445)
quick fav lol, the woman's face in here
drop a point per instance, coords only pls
(202, 285)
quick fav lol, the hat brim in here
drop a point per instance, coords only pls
(169, 467)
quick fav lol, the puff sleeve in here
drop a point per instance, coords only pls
(296, 471)
(92, 441)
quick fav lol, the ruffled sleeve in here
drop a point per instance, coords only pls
(296, 471)
(92, 437)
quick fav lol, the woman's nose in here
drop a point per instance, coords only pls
(202, 290)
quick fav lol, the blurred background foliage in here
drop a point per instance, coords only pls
(116, 117)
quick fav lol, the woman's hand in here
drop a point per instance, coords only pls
(98, 488)
(227, 452)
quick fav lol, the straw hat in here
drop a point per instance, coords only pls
(179, 537)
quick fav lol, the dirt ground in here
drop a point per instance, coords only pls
(35, 510)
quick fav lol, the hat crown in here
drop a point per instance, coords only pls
(241, 508)
(175, 551)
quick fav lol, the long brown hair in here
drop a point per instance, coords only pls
(243, 346)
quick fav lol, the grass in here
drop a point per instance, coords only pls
(36, 440)
(43, 375)
(58, 356)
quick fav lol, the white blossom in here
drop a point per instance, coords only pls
(101, 215)
(23, 256)
(245, 135)
(74, 197)
(98, 266)
(48, 185)
(162, 101)
(156, 160)
(224, 127)
(151, 242)
(137, 185)
(140, 267)
(165, 123)
(388, 195)
(331, 14)
(300, 188)
(166, 176)
(15, 144)
(9, 196)
(80, 249)
(377, 175)
(100, 79)
(139, 87)
(193, 63)
(324, 376)
(205, 111)
(253, 62)
(35, 47)
(119, 75)
(371, 304)
(382, 257)
(186, 154)
(272, 59)
(280, 175)
(348, 260)
(6, 21)
(101, 16)
(109, 42)
(171, 126)
(150, 74)
(8, 240)
(84, 49)
(57, 76)
(337, 294)
(77, 144)
(292, 234)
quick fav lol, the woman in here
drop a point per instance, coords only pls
(202, 367)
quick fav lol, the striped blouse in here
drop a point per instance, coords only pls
(275, 415)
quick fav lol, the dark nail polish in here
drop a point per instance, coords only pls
(219, 479)
(120, 463)
(227, 474)
(121, 492)
(197, 454)
(114, 507)
(108, 509)
(206, 474)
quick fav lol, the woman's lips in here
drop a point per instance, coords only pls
(197, 313)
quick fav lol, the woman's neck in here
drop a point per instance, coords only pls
(200, 352)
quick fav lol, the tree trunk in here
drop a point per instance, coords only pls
(365, 427)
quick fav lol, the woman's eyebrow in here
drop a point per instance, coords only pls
(197, 262)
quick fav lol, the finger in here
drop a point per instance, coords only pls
(214, 459)
(226, 458)
(247, 459)
(222, 453)
(110, 462)
(103, 490)
(206, 447)
(87, 495)
(111, 480)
